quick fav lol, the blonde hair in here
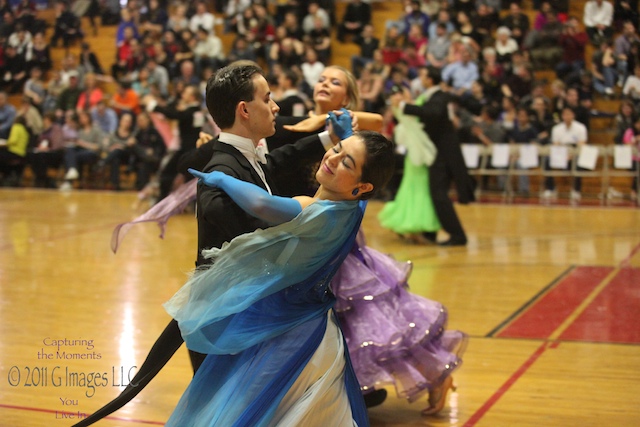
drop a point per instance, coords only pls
(352, 88)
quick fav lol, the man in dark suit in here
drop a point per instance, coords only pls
(238, 98)
(356, 16)
(449, 164)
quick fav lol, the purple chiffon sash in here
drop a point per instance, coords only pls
(171, 205)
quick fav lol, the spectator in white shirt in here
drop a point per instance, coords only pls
(314, 10)
(202, 18)
(598, 20)
(574, 134)
(311, 70)
(505, 44)
(631, 87)
(208, 50)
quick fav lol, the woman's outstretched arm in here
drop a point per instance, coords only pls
(253, 199)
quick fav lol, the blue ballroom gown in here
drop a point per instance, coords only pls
(263, 314)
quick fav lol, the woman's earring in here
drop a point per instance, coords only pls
(354, 192)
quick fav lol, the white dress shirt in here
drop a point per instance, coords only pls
(246, 147)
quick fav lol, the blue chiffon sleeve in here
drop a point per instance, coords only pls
(251, 198)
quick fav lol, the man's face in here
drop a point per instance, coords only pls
(425, 79)
(523, 118)
(187, 94)
(629, 29)
(465, 55)
(567, 116)
(262, 110)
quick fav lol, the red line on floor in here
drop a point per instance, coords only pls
(550, 311)
(627, 261)
(506, 386)
(52, 411)
(613, 315)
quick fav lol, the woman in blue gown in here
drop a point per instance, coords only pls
(263, 311)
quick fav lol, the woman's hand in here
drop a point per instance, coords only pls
(311, 124)
(211, 179)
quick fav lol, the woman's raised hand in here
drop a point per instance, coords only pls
(311, 124)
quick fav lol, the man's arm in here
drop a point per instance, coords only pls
(307, 151)
(429, 113)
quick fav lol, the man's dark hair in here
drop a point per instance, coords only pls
(227, 87)
(434, 74)
(379, 165)
(292, 76)
(492, 112)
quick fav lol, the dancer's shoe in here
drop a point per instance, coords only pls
(438, 397)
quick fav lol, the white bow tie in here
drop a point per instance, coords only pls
(261, 154)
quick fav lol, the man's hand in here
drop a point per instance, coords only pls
(203, 138)
(340, 122)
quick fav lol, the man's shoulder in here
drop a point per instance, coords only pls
(222, 161)
(579, 126)
(224, 156)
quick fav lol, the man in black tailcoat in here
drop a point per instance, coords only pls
(449, 164)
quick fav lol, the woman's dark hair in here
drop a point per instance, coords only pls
(227, 87)
(50, 115)
(133, 119)
(379, 165)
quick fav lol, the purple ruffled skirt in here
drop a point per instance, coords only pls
(394, 337)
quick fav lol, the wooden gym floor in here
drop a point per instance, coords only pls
(548, 295)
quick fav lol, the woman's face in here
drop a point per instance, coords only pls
(126, 121)
(538, 105)
(523, 117)
(330, 93)
(83, 118)
(341, 167)
(143, 121)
